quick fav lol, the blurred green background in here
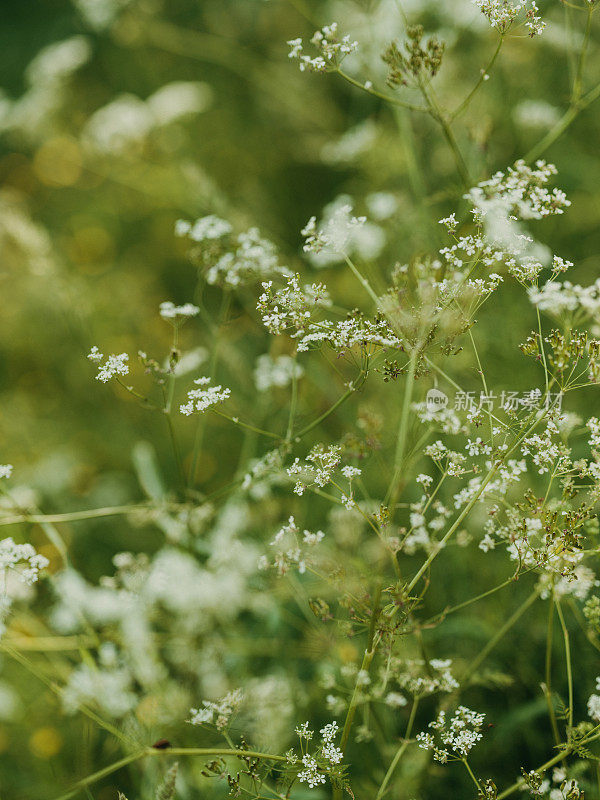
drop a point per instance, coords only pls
(88, 253)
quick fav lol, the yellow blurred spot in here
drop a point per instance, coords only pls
(45, 742)
(58, 162)
(347, 652)
(149, 710)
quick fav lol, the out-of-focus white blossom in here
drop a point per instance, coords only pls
(170, 311)
(277, 372)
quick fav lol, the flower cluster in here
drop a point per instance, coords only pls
(593, 705)
(113, 366)
(498, 205)
(227, 260)
(325, 759)
(21, 558)
(290, 310)
(565, 299)
(559, 788)
(318, 469)
(291, 548)
(420, 678)
(217, 713)
(6, 470)
(205, 397)
(178, 314)
(334, 235)
(253, 258)
(502, 13)
(204, 229)
(340, 234)
(332, 50)
(278, 372)
(460, 734)
(523, 190)
(107, 684)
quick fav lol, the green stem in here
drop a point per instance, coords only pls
(548, 673)
(327, 413)
(365, 667)
(446, 612)
(479, 659)
(395, 484)
(480, 82)
(578, 82)
(568, 660)
(374, 93)
(471, 773)
(563, 123)
(400, 751)
(362, 280)
(245, 425)
(439, 116)
(171, 751)
(214, 358)
(72, 516)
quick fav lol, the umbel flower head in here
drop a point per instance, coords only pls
(204, 397)
(331, 48)
(113, 366)
(453, 739)
(178, 314)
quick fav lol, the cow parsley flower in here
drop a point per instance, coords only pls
(290, 548)
(278, 372)
(21, 558)
(113, 366)
(291, 309)
(108, 687)
(6, 470)
(303, 731)
(395, 700)
(563, 299)
(253, 258)
(318, 468)
(329, 750)
(310, 774)
(593, 705)
(502, 13)
(461, 733)
(203, 229)
(332, 50)
(202, 398)
(178, 314)
(218, 713)
(341, 233)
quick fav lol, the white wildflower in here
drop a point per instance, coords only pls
(277, 372)
(113, 366)
(202, 398)
(170, 311)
